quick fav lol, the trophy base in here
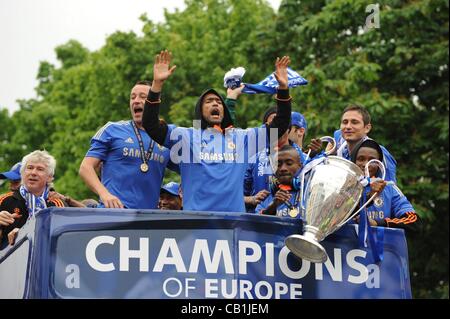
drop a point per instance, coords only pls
(306, 248)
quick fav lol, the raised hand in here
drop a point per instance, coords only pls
(281, 72)
(161, 69)
(234, 93)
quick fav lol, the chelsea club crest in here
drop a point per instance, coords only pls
(378, 201)
(231, 145)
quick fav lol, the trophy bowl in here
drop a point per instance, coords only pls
(332, 192)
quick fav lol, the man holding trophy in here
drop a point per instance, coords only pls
(337, 190)
(390, 208)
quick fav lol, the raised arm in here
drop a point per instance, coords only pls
(283, 115)
(231, 100)
(150, 120)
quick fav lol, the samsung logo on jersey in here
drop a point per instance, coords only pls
(134, 152)
(218, 156)
(232, 145)
(375, 214)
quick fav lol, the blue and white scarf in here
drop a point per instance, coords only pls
(34, 203)
(233, 79)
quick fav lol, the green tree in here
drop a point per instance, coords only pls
(399, 71)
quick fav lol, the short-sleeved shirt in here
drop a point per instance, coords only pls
(117, 146)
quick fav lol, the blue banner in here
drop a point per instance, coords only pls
(101, 253)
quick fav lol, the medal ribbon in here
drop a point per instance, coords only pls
(144, 156)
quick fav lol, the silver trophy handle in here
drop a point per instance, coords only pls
(380, 166)
(328, 139)
(302, 205)
(366, 170)
(331, 140)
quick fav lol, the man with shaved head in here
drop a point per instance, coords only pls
(132, 164)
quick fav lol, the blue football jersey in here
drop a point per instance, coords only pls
(116, 145)
(391, 203)
(212, 165)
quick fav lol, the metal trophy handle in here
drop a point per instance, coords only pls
(328, 139)
(366, 171)
(380, 166)
(331, 140)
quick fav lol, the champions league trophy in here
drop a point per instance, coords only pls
(333, 190)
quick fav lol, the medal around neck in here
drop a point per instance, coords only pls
(145, 156)
(144, 167)
(293, 212)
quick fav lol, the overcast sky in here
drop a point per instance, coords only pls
(31, 29)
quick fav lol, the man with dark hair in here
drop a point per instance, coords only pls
(133, 164)
(259, 172)
(355, 126)
(284, 198)
(390, 208)
(214, 154)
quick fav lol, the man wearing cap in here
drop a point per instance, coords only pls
(17, 207)
(214, 155)
(13, 175)
(169, 197)
(297, 130)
